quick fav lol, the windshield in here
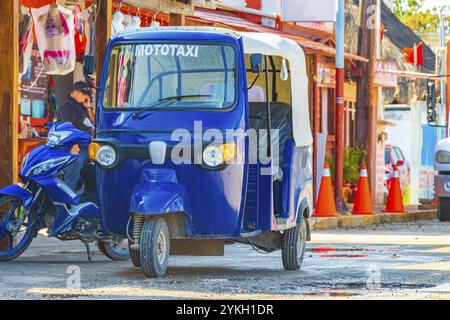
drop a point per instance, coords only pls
(143, 75)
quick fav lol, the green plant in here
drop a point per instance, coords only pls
(354, 158)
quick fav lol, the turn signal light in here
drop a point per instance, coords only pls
(93, 148)
(228, 151)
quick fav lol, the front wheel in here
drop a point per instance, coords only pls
(444, 209)
(116, 250)
(294, 245)
(155, 247)
(17, 228)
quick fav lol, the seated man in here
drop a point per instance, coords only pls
(78, 111)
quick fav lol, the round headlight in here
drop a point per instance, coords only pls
(213, 156)
(106, 156)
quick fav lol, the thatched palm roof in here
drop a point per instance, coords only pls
(404, 37)
(401, 36)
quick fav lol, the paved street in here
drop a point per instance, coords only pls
(410, 260)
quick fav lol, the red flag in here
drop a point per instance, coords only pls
(410, 55)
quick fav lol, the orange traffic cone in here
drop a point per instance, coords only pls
(325, 206)
(363, 202)
(394, 202)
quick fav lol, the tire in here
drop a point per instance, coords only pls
(135, 255)
(444, 209)
(294, 245)
(155, 247)
(110, 250)
(24, 242)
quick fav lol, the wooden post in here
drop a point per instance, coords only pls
(176, 19)
(447, 81)
(103, 33)
(9, 85)
(364, 93)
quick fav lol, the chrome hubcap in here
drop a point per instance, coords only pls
(161, 248)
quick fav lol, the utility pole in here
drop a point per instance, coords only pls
(339, 107)
(366, 109)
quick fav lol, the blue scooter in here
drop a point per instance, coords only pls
(45, 201)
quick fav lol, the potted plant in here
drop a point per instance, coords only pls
(354, 158)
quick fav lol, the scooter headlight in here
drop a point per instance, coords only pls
(55, 138)
(106, 156)
(46, 166)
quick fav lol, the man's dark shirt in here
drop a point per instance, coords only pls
(75, 113)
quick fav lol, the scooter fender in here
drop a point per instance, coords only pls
(17, 191)
(160, 197)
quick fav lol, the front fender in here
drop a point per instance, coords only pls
(17, 191)
(159, 197)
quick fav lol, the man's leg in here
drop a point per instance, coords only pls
(72, 172)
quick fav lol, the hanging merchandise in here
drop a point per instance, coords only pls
(135, 23)
(54, 27)
(125, 67)
(80, 37)
(25, 39)
(88, 16)
(117, 22)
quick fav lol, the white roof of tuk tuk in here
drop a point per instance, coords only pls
(275, 45)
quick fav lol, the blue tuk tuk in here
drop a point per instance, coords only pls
(203, 139)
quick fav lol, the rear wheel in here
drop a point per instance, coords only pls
(16, 230)
(155, 247)
(135, 255)
(294, 245)
(444, 209)
(116, 250)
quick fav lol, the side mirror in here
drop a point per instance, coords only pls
(436, 114)
(400, 163)
(256, 63)
(431, 101)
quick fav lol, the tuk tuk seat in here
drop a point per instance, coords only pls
(281, 116)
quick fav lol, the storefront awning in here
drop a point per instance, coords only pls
(233, 21)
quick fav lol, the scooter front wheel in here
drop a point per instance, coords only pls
(116, 250)
(14, 242)
(155, 247)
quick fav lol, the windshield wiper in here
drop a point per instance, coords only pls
(137, 114)
(173, 99)
(187, 96)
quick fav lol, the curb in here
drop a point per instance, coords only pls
(358, 221)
